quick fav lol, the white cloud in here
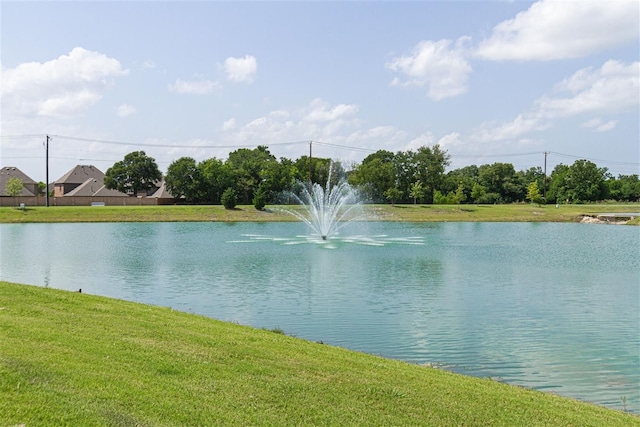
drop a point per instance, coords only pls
(558, 29)
(62, 87)
(241, 70)
(599, 125)
(194, 87)
(426, 139)
(318, 121)
(125, 110)
(229, 124)
(450, 140)
(440, 65)
(523, 124)
(611, 88)
(321, 111)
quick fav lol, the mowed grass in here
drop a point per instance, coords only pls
(74, 359)
(409, 213)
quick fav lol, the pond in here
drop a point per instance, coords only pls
(553, 307)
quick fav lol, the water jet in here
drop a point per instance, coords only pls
(326, 209)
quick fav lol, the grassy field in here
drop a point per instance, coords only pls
(411, 213)
(74, 359)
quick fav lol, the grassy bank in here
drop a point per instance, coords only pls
(411, 213)
(75, 359)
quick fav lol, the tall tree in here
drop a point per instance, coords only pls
(375, 175)
(583, 181)
(184, 180)
(319, 169)
(405, 172)
(501, 182)
(247, 165)
(626, 188)
(216, 177)
(137, 172)
(586, 182)
(277, 177)
(430, 164)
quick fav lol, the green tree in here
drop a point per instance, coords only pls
(374, 175)
(393, 194)
(478, 193)
(229, 198)
(460, 195)
(260, 198)
(13, 188)
(405, 171)
(533, 193)
(319, 169)
(216, 177)
(137, 172)
(501, 182)
(626, 188)
(430, 164)
(42, 188)
(557, 184)
(461, 181)
(583, 181)
(184, 180)
(416, 191)
(246, 166)
(277, 177)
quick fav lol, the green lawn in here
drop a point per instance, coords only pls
(412, 213)
(81, 360)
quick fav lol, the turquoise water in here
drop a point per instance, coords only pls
(553, 307)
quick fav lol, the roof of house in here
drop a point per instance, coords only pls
(93, 187)
(106, 192)
(162, 192)
(8, 172)
(80, 174)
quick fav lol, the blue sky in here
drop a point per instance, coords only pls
(490, 81)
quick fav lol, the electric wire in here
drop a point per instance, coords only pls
(320, 143)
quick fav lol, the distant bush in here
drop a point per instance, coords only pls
(260, 199)
(229, 198)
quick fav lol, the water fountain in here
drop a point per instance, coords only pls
(327, 209)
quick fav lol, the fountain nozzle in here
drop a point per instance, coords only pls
(324, 237)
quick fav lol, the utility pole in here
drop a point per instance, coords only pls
(46, 184)
(310, 142)
(544, 183)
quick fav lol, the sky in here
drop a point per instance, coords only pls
(489, 81)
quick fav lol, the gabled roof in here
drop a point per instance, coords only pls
(8, 172)
(162, 193)
(106, 192)
(93, 187)
(80, 174)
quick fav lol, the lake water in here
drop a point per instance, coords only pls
(549, 306)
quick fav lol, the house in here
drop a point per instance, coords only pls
(88, 181)
(94, 188)
(76, 177)
(30, 187)
(162, 192)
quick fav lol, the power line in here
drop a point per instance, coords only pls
(346, 147)
(612, 162)
(138, 144)
(321, 143)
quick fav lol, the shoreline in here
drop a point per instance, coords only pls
(247, 213)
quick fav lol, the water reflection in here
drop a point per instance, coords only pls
(548, 306)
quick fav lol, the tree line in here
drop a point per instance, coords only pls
(255, 176)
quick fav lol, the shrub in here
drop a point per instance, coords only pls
(229, 198)
(260, 199)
